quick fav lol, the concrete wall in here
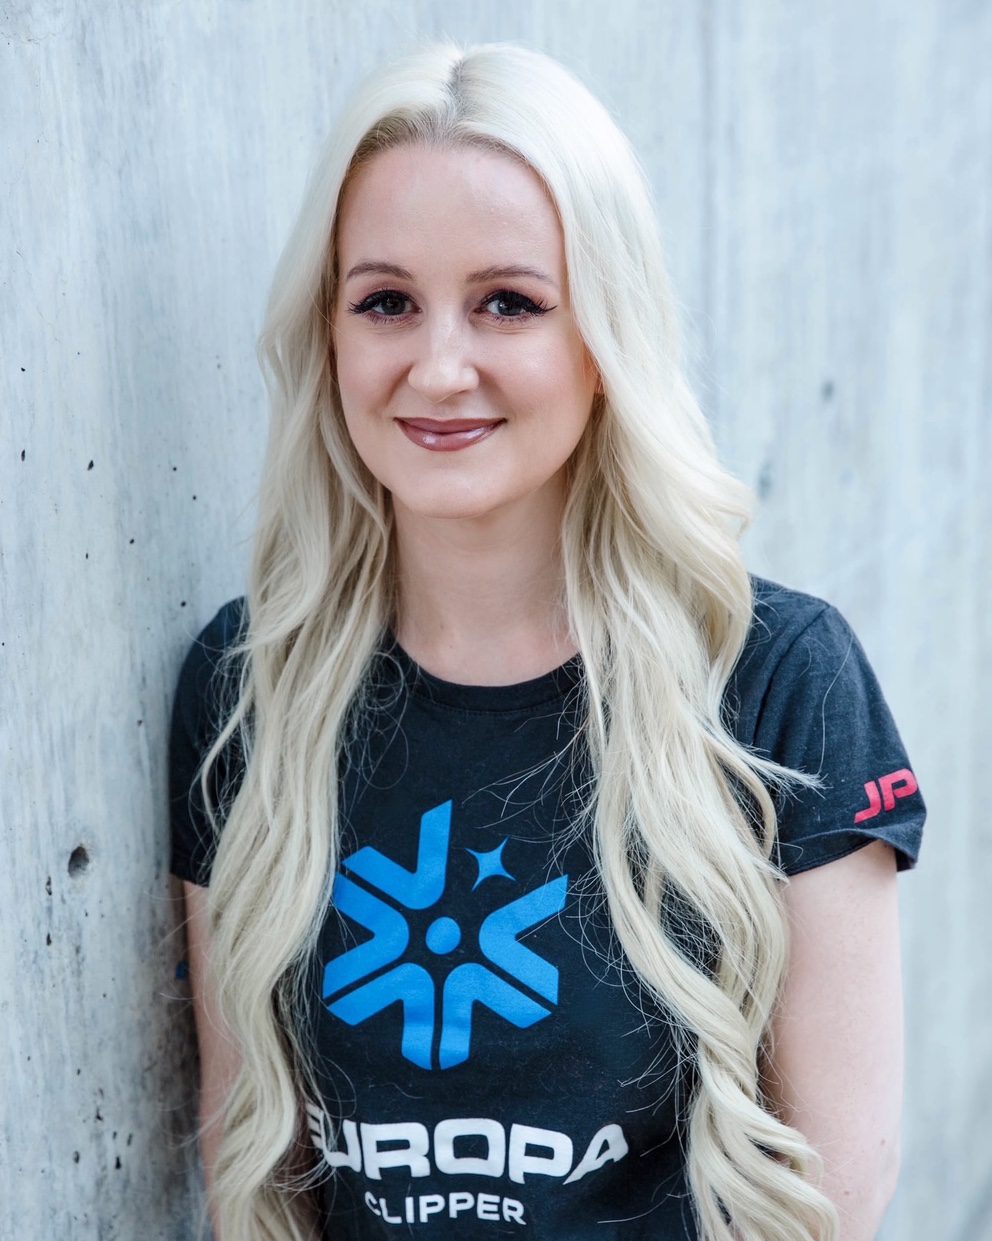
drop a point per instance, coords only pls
(824, 174)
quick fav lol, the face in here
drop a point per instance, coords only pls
(464, 382)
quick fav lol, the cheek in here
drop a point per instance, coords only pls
(357, 394)
(353, 372)
(364, 363)
(567, 385)
(569, 363)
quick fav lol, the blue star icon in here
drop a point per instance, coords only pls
(491, 864)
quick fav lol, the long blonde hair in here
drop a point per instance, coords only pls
(659, 603)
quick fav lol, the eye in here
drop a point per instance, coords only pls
(508, 304)
(381, 305)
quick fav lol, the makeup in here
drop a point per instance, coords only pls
(449, 434)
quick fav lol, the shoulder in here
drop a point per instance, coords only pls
(780, 616)
(220, 635)
(225, 629)
(805, 696)
(207, 667)
(791, 635)
(206, 692)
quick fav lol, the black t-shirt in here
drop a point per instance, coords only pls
(485, 1057)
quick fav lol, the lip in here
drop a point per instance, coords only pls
(445, 426)
(448, 434)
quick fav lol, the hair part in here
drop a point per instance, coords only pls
(659, 603)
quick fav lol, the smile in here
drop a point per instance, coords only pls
(448, 435)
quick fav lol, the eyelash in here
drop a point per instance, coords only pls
(530, 308)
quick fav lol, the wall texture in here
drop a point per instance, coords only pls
(824, 176)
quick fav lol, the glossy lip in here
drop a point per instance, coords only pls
(449, 434)
(445, 426)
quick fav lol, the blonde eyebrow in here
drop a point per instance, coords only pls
(496, 273)
(473, 277)
(379, 269)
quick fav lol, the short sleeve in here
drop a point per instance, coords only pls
(205, 694)
(824, 713)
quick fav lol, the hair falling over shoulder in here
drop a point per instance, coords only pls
(659, 603)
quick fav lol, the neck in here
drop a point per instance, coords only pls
(480, 601)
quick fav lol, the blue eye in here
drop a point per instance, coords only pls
(383, 304)
(514, 305)
(503, 305)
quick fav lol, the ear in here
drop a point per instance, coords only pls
(591, 365)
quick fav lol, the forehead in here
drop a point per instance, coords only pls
(462, 205)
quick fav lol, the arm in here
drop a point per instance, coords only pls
(835, 1065)
(219, 1056)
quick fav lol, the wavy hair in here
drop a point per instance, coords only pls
(659, 603)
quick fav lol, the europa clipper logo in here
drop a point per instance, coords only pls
(364, 980)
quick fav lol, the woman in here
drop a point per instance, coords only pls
(514, 762)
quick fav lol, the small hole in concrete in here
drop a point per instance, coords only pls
(79, 859)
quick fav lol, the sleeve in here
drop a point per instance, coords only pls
(824, 714)
(205, 693)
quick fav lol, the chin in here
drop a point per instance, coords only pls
(451, 504)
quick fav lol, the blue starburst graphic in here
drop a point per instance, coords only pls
(369, 978)
(490, 864)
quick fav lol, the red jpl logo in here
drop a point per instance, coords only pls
(882, 794)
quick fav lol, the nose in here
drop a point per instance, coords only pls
(442, 367)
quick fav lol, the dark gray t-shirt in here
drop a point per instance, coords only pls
(486, 1059)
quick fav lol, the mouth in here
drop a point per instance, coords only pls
(448, 434)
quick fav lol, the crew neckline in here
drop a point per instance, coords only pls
(548, 687)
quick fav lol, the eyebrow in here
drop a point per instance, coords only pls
(473, 277)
